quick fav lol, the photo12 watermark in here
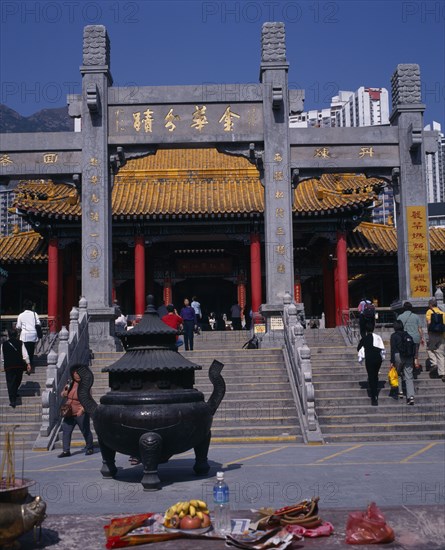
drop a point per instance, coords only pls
(87, 13)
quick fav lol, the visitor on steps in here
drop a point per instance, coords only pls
(78, 416)
(15, 361)
(411, 323)
(26, 323)
(403, 360)
(374, 355)
(189, 316)
(197, 307)
(435, 318)
(366, 310)
(235, 315)
(173, 320)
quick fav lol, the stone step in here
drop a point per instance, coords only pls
(422, 435)
(409, 417)
(363, 400)
(356, 391)
(378, 427)
(352, 384)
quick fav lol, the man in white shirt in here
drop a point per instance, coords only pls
(26, 323)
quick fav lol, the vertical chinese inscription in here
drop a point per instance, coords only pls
(418, 251)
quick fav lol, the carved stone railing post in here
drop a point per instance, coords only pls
(298, 362)
(83, 305)
(439, 297)
(73, 348)
(63, 341)
(74, 323)
(309, 393)
(48, 393)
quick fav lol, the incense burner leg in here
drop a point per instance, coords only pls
(108, 469)
(150, 445)
(201, 466)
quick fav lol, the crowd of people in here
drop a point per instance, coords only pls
(405, 342)
(17, 352)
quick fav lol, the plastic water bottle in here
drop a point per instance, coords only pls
(222, 505)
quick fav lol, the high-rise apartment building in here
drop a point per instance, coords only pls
(364, 107)
(8, 217)
(435, 166)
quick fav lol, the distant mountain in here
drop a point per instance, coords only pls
(46, 120)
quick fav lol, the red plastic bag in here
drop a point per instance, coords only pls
(368, 527)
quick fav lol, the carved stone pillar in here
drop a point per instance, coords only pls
(278, 192)
(410, 189)
(53, 284)
(96, 187)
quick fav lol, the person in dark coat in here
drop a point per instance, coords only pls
(189, 316)
(403, 364)
(15, 360)
(374, 350)
(77, 417)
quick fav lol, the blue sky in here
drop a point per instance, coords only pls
(330, 45)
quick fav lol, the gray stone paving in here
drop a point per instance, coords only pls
(343, 475)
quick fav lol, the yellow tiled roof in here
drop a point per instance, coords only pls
(378, 239)
(197, 181)
(366, 239)
(29, 247)
(335, 193)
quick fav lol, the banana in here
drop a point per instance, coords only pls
(185, 507)
(181, 514)
(205, 511)
(201, 504)
(192, 510)
(195, 503)
(200, 514)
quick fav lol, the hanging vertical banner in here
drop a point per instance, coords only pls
(417, 223)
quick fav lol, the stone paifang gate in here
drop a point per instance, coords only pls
(119, 124)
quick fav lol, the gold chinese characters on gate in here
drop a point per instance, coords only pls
(325, 153)
(418, 251)
(143, 120)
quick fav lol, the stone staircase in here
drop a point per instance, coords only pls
(258, 405)
(344, 409)
(27, 416)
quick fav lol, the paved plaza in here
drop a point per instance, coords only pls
(402, 477)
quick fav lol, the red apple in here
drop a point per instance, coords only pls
(205, 522)
(190, 522)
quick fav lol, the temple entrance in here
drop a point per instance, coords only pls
(214, 294)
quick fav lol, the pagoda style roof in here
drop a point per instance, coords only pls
(25, 247)
(197, 183)
(372, 239)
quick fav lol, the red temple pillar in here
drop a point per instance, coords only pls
(53, 283)
(139, 275)
(60, 291)
(241, 294)
(70, 289)
(297, 290)
(342, 276)
(255, 271)
(329, 301)
(167, 292)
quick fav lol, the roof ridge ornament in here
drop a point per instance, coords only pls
(273, 42)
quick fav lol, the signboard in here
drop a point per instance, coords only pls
(159, 123)
(208, 266)
(417, 226)
(260, 328)
(276, 323)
